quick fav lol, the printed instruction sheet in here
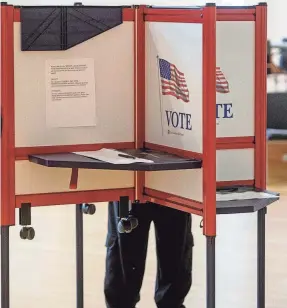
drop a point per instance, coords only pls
(70, 93)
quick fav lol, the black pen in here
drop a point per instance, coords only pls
(126, 156)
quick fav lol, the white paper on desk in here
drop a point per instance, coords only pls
(70, 93)
(112, 156)
(243, 196)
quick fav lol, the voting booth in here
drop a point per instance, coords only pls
(133, 104)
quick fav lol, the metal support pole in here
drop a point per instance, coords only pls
(261, 258)
(5, 276)
(79, 256)
(210, 259)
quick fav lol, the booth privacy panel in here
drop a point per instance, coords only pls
(231, 165)
(40, 179)
(174, 105)
(235, 60)
(100, 112)
(174, 85)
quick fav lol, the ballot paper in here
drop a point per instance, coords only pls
(243, 196)
(113, 157)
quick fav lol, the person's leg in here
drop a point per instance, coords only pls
(174, 241)
(125, 260)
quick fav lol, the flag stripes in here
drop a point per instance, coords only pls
(173, 81)
(222, 85)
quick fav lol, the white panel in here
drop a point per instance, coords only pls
(184, 183)
(36, 179)
(181, 45)
(236, 58)
(113, 57)
(232, 165)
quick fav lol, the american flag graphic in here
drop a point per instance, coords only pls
(222, 85)
(173, 81)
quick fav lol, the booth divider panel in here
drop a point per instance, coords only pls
(182, 183)
(174, 85)
(235, 165)
(235, 53)
(35, 179)
(231, 166)
(105, 111)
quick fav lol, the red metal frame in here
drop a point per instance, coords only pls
(139, 41)
(191, 204)
(166, 199)
(222, 184)
(207, 16)
(227, 143)
(9, 154)
(75, 197)
(173, 201)
(235, 14)
(210, 145)
(258, 15)
(7, 114)
(174, 15)
(175, 151)
(260, 95)
(209, 121)
(139, 33)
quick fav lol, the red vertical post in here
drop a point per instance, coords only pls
(140, 77)
(139, 44)
(7, 187)
(260, 95)
(209, 120)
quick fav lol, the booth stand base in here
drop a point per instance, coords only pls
(210, 245)
(210, 279)
(211, 269)
(5, 268)
(165, 162)
(261, 258)
(80, 256)
(232, 207)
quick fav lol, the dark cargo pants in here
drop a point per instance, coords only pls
(126, 255)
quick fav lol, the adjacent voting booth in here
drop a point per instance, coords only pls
(184, 88)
